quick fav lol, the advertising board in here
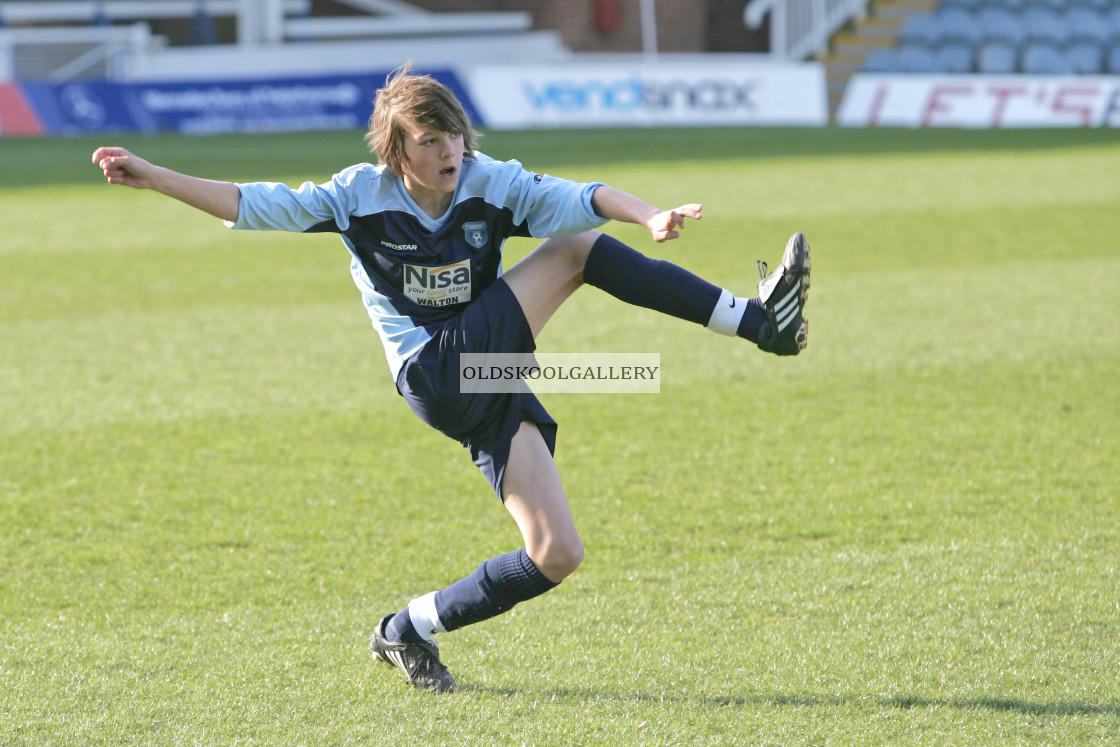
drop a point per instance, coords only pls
(981, 101)
(666, 94)
(200, 108)
(16, 114)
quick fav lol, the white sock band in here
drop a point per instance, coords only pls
(422, 612)
(727, 314)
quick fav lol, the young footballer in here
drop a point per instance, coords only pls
(425, 230)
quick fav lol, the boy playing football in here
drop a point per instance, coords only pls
(435, 205)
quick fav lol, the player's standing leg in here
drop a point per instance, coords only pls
(534, 496)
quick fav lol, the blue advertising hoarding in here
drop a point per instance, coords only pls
(334, 102)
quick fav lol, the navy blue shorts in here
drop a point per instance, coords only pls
(485, 423)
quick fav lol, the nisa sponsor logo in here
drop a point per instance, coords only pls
(399, 247)
(635, 94)
(438, 286)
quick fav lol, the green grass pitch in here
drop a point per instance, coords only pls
(210, 490)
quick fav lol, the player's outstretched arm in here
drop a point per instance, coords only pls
(220, 199)
(662, 224)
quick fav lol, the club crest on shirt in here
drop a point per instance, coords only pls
(437, 286)
(476, 233)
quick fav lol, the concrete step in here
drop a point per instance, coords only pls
(903, 8)
(841, 74)
(862, 48)
(849, 48)
(842, 60)
(856, 40)
(875, 26)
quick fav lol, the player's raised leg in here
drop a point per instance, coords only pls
(784, 293)
(774, 321)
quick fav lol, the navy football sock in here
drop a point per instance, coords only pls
(662, 286)
(753, 326)
(400, 628)
(651, 283)
(494, 587)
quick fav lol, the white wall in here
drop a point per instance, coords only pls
(317, 58)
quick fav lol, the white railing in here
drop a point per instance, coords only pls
(800, 29)
(428, 24)
(86, 11)
(68, 39)
(79, 49)
(257, 20)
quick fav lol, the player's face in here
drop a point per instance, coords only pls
(431, 165)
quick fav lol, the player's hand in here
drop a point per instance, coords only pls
(668, 224)
(122, 167)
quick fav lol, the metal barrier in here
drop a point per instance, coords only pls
(800, 29)
(69, 52)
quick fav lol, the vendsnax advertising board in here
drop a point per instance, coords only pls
(666, 94)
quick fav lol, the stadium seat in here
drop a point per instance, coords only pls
(1085, 58)
(917, 59)
(1045, 26)
(1001, 25)
(1015, 6)
(1100, 6)
(922, 29)
(881, 61)
(958, 26)
(1054, 6)
(969, 6)
(1113, 63)
(996, 58)
(1087, 25)
(1114, 24)
(1040, 58)
(956, 58)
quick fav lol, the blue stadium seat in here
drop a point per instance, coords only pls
(1101, 6)
(917, 59)
(1045, 26)
(1012, 6)
(881, 61)
(956, 58)
(1000, 24)
(1040, 58)
(1097, 5)
(1087, 25)
(1114, 24)
(997, 58)
(1055, 6)
(923, 29)
(1085, 58)
(959, 26)
(1113, 64)
(970, 6)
